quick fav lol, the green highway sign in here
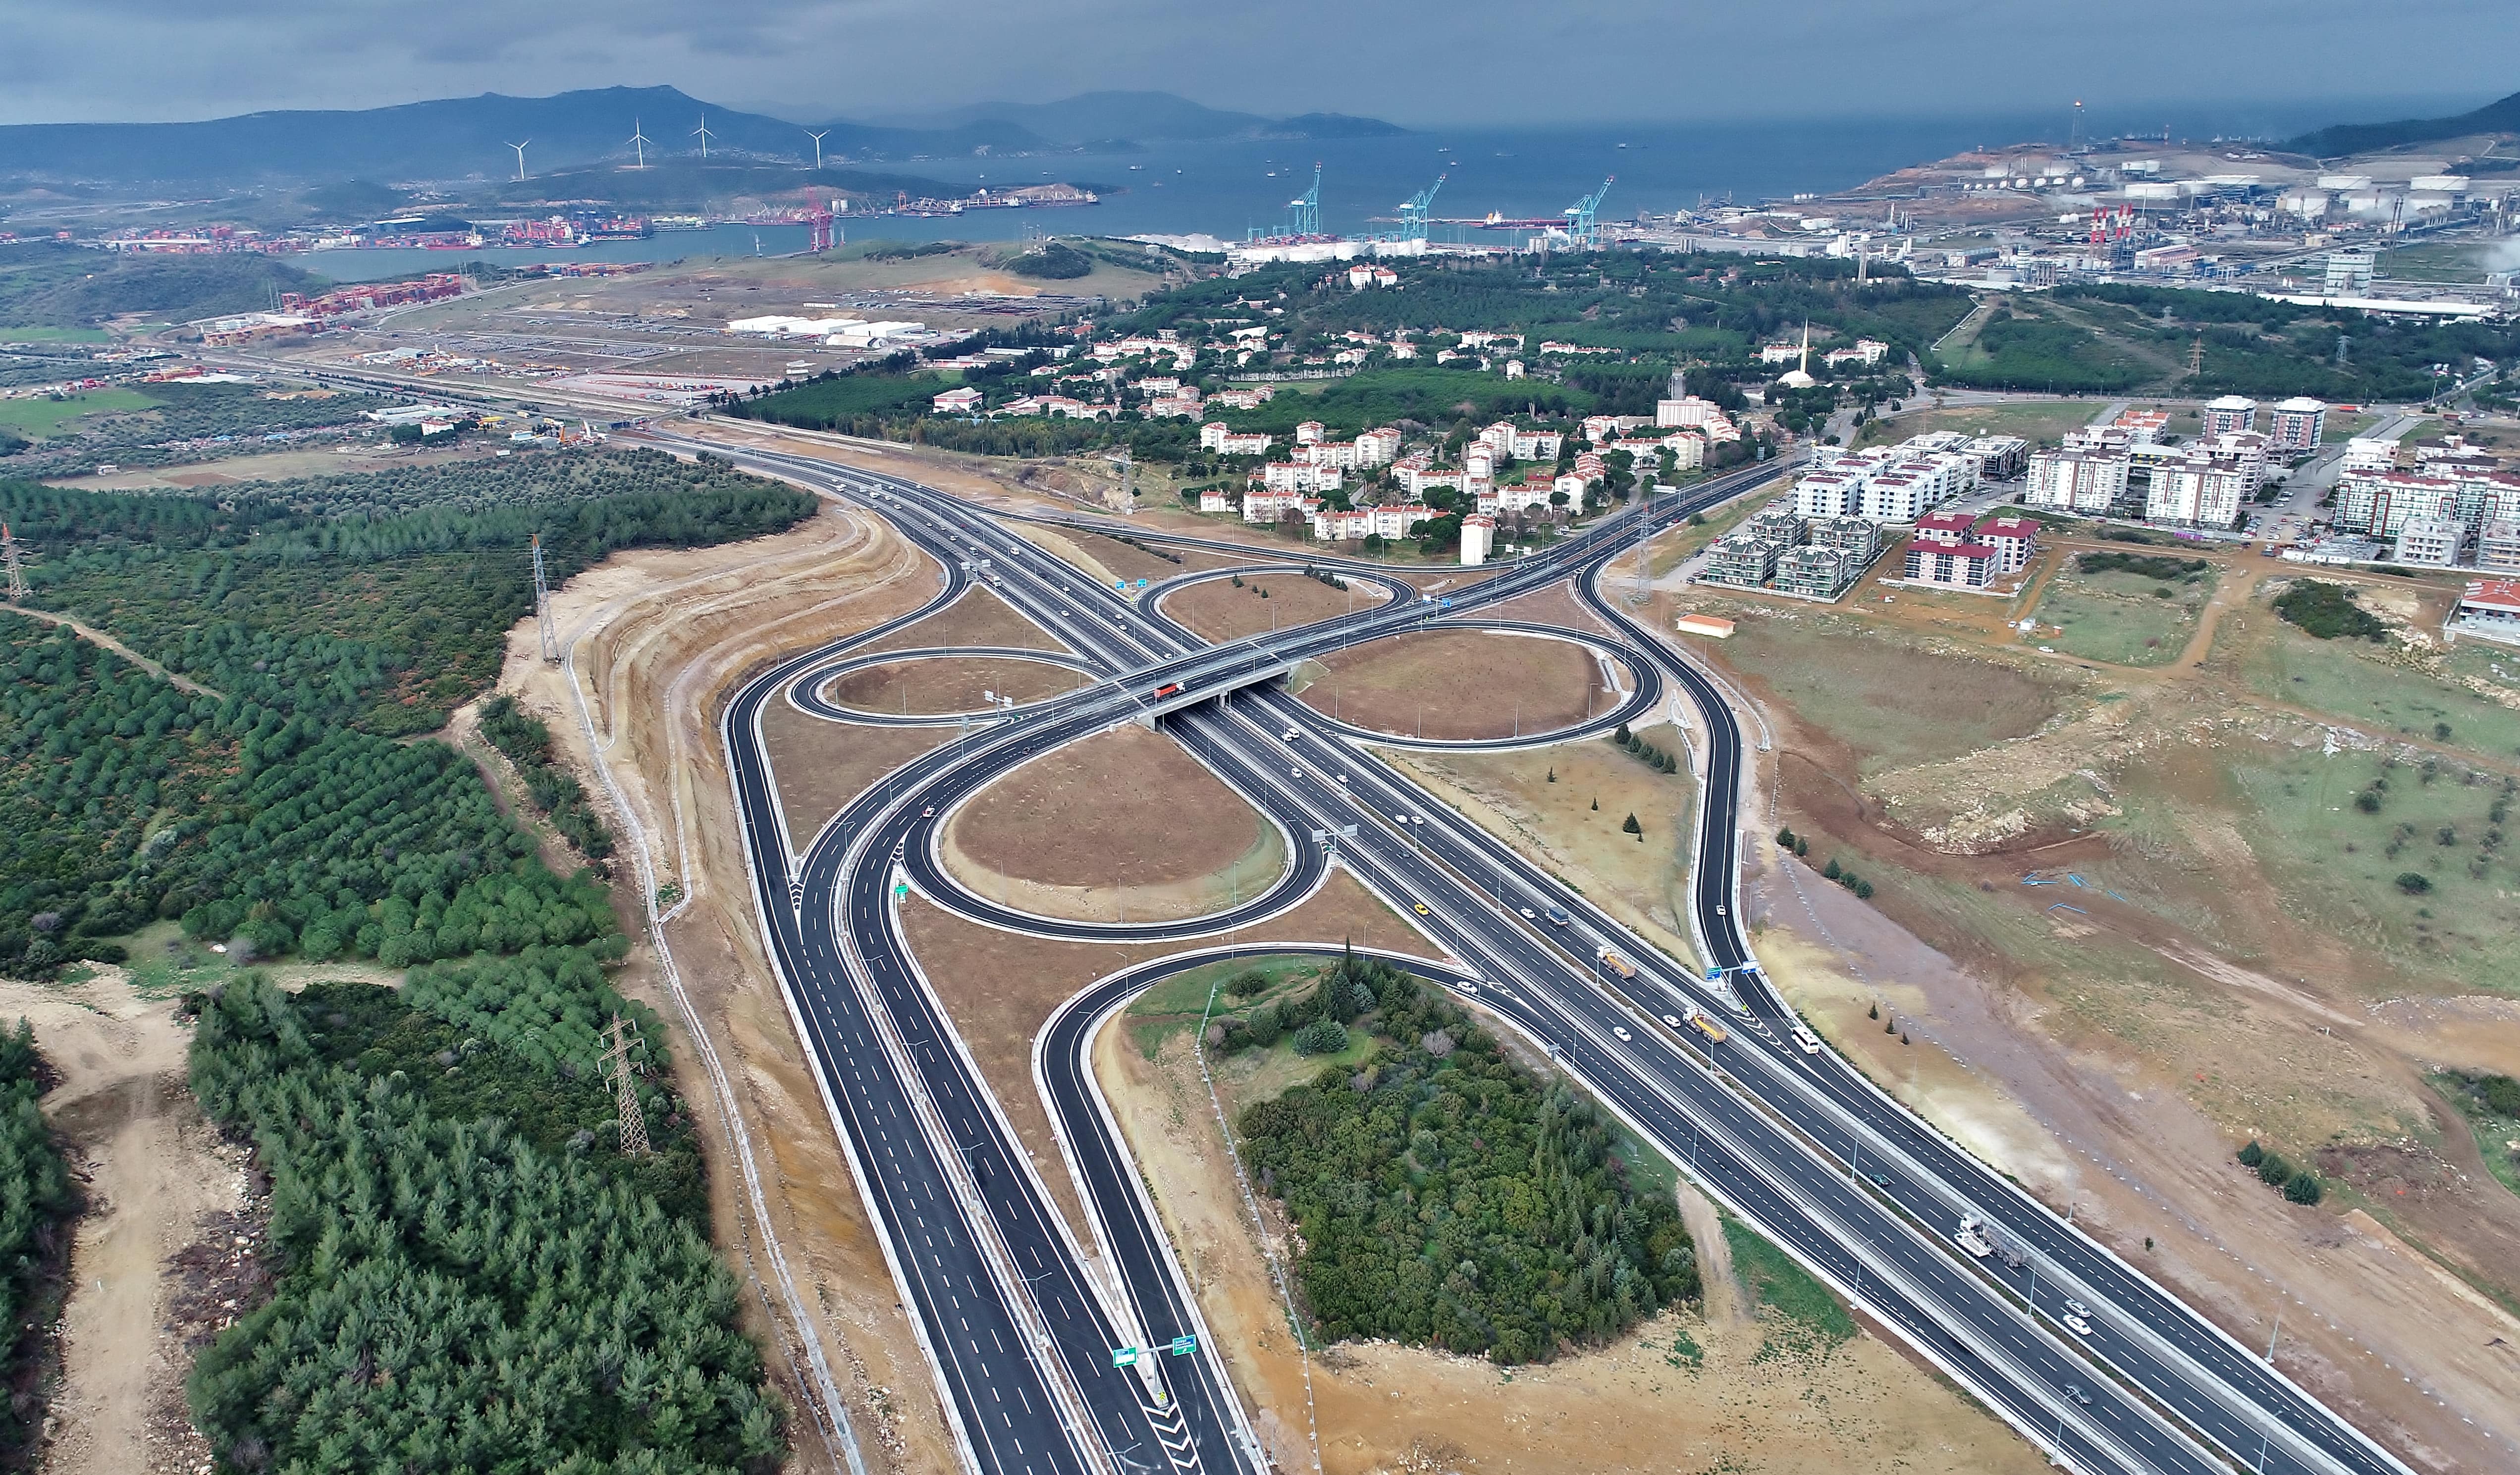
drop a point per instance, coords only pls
(1184, 1346)
(900, 890)
(1124, 1357)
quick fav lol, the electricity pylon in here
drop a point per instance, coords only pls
(625, 1097)
(16, 565)
(542, 606)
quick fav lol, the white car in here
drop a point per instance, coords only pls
(1530, 916)
(2076, 1325)
(1621, 1032)
(1291, 734)
(1672, 1019)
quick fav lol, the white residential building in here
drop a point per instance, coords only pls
(2297, 424)
(2199, 491)
(1298, 477)
(1215, 437)
(1380, 447)
(2430, 542)
(2075, 481)
(1478, 537)
(1264, 505)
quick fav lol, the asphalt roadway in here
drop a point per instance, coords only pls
(1019, 1334)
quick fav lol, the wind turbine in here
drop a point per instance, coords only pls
(702, 131)
(520, 158)
(639, 141)
(818, 144)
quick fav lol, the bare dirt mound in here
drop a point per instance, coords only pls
(1460, 685)
(949, 684)
(1225, 609)
(1122, 825)
(978, 618)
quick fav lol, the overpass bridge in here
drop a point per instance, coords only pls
(1158, 690)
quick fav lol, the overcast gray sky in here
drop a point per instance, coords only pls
(1431, 62)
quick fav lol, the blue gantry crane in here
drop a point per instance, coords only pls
(1413, 210)
(1306, 208)
(1579, 217)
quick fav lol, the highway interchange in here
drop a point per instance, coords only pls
(1020, 1332)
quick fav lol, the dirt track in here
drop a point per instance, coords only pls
(155, 1176)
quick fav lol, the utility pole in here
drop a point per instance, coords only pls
(542, 606)
(625, 1099)
(17, 565)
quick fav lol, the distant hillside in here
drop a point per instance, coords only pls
(2335, 142)
(47, 284)
(454, 138)
(1142, 116)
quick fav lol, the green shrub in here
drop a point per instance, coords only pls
(2303, 1188)
(2414, 882)
(2274, 1170)
(2327, 611)
(2252, 1154)
(1322, 1037)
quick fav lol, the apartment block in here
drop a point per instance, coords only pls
(1960, 565)
(2498, 547)
(1818, 573)
(2297, 424)
(1738, 559)
(2430, 542)
(2087, 482)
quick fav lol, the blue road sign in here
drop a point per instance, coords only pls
(1141, 583)
(1714, 975)
(1184, 1346)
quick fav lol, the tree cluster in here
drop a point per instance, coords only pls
(525, 742)
(1654, 758)
(35, 1200)
(2300, 1185)
(1447, 1198)
(380, 601)
(451, 1292)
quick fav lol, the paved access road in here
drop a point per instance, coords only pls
(1019, 1335)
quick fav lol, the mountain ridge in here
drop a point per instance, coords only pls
(2338, 140)
(1093, 116)
(446, 139)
